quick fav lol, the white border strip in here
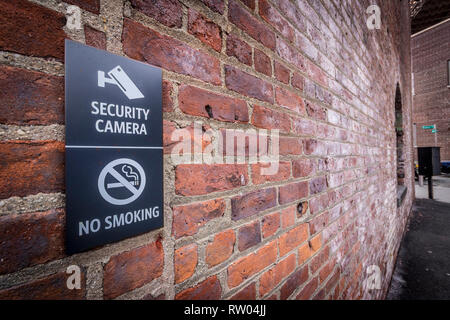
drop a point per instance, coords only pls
(429, 28)
(110, 147)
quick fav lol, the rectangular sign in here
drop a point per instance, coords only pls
(114, 153)
(428, 127)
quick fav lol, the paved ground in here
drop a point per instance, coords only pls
(423, 264)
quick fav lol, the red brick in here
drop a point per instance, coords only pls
(188, 219)
(293, 282)
(34, 167)
(290, 146)
(168, 12)
(262, 63)
(290, 100)
(307, 292)
(151, 297)
(221, 248)
(132, 269)
(317, 74)
(88, 5)
(326, 270)
(288, 217)
(314, 147)
(147, 45)
(249, 3)
(283, 173)
(30, 97)
(199, 102)
(169, 133)
(270, 119)
(30, 239)
(215, 5)
(293, 238)
(249, 236)
(247, 266)
(293, 192)
(252, 203)
(319, 260)
(95, 38)
(317, 185)
(199, 179)
(298, 81)
(270, 224)
(247, 84)
(315, 111)
(53, 287)
(272, 16)
(185, 261)
(245, 21)
(248, 293)
(210, 289)
(205, 30)
(271, 278)
(305, 127)
(318, 223)
(309, 249)
(167, 101)
(281, 72)
(239, 49)
(303, 167)
(286, 52)
(31, 29)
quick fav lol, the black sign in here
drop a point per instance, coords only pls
(114, 154)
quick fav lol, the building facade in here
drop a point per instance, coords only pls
(326, 225)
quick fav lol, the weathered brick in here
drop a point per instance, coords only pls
(168, 12)
(247, 84)
(30, 97)
(303, 167)
(33, 166)
(30, 239)
(88, 5)
(317, 185)
(188, 219)
(286, 52)
(262, 63)
(309, 249)
(293, 192)
(185, 261)
(288, 217)
(274, 18)
(245, 21)
(252, 203)
(248, 293)
(270, 224)
(249, 3)
(31, 29)
(298, 81)
(94, 37)
(167, 101)
(53, 287)
(281, 73)
(290, 146)
(270, 119)
(319, 260)
(271, 278)
(210, 289)
(132, 269)
(199, 102)
(293, 282)
(221, 248)
(198, 179)
(293, 238)
(303, 126)
(147, 45)
(290, 100)
(215, 5)
(315, 111)
(239, 49)
(249, 236)
(247, 266)
(204, 29)
(283, 173)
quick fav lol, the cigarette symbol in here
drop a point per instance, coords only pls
(118, 77)
(129, 173)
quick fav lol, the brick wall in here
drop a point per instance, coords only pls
(431, 100)
(310, 68)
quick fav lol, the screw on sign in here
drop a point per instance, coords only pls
(121, 181)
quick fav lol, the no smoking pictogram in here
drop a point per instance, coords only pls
(127, 174)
